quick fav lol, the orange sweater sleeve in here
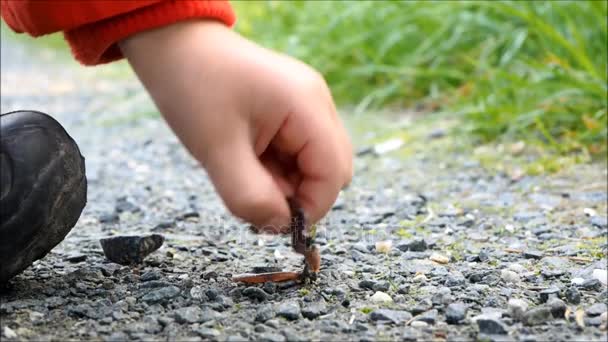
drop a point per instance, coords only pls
(93, 27)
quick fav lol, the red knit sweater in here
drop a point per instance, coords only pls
(93, 27)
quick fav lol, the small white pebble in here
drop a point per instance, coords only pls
(590, 212)
(438, 258)
(9, 333)
(384, 246)
(380, 297)
(389, 145)
(183, 276)
(510, 228)
(278, 255)
(517, 308)
(601, 275)
(419, 324)
(577, 281)
(509, 276)
(420, 278)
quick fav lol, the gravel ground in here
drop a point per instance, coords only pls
(424, 245)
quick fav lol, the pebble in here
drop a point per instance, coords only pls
(314, 310)
(538, 315)
(599, 221)
(289, 310)
(558, 307)
(517, 268)
(601, 275)
(191, 314)
(533, 254)
(548, 293)
(419, 324)
(384, 246)
(454, 280)
(9, 333)
(394, 316)
(439, 258)
(207, 333)
(490, 325)
(128, 250)
(76, 258)
(572, 295)
(577, 281)
(381, 286)
(367, 284)
(416, 245)
(509, 276)
(456, 312)
(596, 309)
(420, 278)
(264, 313)
(592, 285)
(162, 294)
(379, 297)
(517, 308)
(255, 293)
(270, 337)
(429, 317)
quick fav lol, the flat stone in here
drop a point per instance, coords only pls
(289, 310)
(429, 317)
(538, 315)
(162, 294)
(381, 286)
(207, 333)
(599, 221)
(75, 258)
(517, 308)
(191, 314)
(129, 250)
(509, 277)
(270, 337)
(596, 309)
(314, 310)
(456, 312)
(264, 313)
(592, 285)
(533, 254)
(394, 316)
(255, 293)
(548, 293)
(490, 325)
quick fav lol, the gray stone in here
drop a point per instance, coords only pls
(517, 308)
(538, 315)
(255, 293)
(455, 313)
(592, 284)
(270, 337)
(314, 310)
(264, 313)
(367, 284)
(394, 316)
(572, 295)
(289, 310)
(129, 250)
(150, 275)
(490, 325)
(416, 245)
(429, 317)
(162, 294)
(599, 221)
(191, 314)
(596, 309)
(383, 286)
(558, 307)
(548, 293)
(454, 280)
(207, 333)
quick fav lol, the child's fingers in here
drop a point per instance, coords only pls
(246, 187)
(324, 159)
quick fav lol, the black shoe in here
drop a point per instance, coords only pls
(43, 188)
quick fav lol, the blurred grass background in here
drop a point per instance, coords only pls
(507, 70)
(532, 70)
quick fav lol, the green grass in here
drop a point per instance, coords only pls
(510, 69)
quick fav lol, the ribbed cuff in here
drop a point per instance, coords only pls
(96, 43)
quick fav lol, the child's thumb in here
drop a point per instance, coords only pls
(247, 188)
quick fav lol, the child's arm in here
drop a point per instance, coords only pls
(262, 124)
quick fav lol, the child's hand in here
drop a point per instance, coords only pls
(262, 124)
